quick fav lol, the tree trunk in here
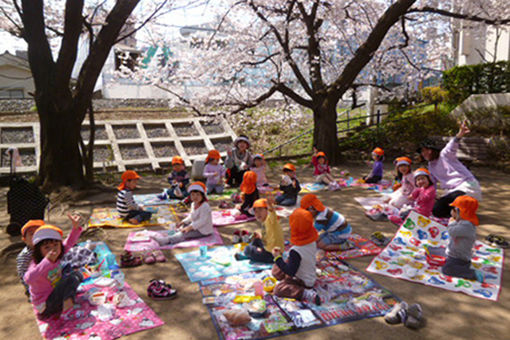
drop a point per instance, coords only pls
(325, 130)
(60, 162)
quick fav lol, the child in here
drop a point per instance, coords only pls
(259, 249)
(199, 221)
(322, 172)
(238, 161)
(289, 185)
(53, 288)
(259, 167)
(335, 226)
(126, 206)
(405, 176)
(178, 180)
(25, 256)
(462, 232)
(297, 275)
(423, 197)
(249, 191)
(377, 168)
(214, 173)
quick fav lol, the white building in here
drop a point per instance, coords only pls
(15, 76)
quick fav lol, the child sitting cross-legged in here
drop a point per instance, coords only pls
(335, 228)
(178, 180)
(25, 256)
(199, 221)
(296, 276)
(126, 206)
(322, 171)
(272, 235)
(52, 286)
(377, 167)
(289, 185)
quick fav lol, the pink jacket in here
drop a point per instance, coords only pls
(42, 277)
(424, 199)
(320, 168)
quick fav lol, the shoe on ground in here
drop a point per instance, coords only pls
(414, 317)
(396, 314)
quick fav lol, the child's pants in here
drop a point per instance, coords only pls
(249, 199)
(287, 286)
(458, 268)
(235, 176)
(214, 188)
(139, 215)
(180, 236)
(374, 179)
(256, 252)
(171, 192)
(65, 289)
(442, 206)
(286, 200)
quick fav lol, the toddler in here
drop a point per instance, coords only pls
(289, 185)
(214, 172)
(126, 206)
(377, 167)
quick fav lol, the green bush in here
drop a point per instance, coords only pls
(434, 95)
(463, 81)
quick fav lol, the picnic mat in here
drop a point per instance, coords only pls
(404, 258)
(226, 217)
(312, 187)
(141, 240)
(220, 261)
(363, 247)
(152, 199)
(368, 202)
(109, 217)
(353, 296)
(106, 320)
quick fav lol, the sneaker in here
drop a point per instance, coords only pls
(160, 290)
(396, 220)
(236, 238)
(395, 315)
(163, 196)
(241, 257)
(379, 239)
(414, 316)
(246, 236)
(127, 259)
(310, 295)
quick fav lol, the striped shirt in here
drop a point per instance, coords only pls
(22, 262)
(126, 202)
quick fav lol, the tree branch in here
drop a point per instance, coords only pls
(287, 91)
(149, 18)
(469, 17)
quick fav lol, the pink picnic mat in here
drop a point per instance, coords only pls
(225, 217)
(141, 240)
(107, 321)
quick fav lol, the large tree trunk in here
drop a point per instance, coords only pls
(325, 130)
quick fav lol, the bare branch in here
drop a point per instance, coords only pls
(149, 18)
(469, 17)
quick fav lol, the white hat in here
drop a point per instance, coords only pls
(198, 186)
(47, 232)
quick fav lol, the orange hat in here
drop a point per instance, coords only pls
(311, 200)
(249, 182)
(198, 186)
(259, 155)
(378, 151)
(289, 166)
(213, 154)
(260, 203)
(403, 161)
(47, 232)
(321, 154)
(126, 176)
(302, 230)
(31, 224)
(467, 206)
(177, 160)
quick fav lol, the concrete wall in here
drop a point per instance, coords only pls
(12, 78)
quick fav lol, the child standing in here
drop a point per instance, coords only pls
(199, 221)
(126, 206)
(260, 248)
(25, 256)
(249, 191)
(214, 172)
(377, 167)
(52, 288)
(259, 167)
(422, 197)
(297, 275)
(335, 226)
(178, 180)
(289, 185)
(462, 232)
(238, 161)
(322, 171)
(406, 179)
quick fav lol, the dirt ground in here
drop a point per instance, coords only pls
(449, 315)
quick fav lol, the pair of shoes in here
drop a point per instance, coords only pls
(241, 236)
(151, 257)
(410, 316)
(396, 220)
(160, 290)
(127, 259)
(497, 241)
(241, 217)
(310, 295)
(376, 215)
(379, 239)
(225, 205)
(236, 198)
(334, 186)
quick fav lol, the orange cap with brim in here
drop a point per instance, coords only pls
(212, 154)
(289, 166)
(403, 161)
(302, 230)
(260, 203)
(378, 151)
(31, 224)
(177, 160)
(467, 206)
(311, 200)
(126, 176)
(249, 183)
(321, 154)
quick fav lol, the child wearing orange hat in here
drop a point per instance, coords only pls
(52, 288)
(214, 172)
(25, 256)
(462, 232)
(259, 167)
(322, 171)
(178, 179)
(297, 275)
(400, 195)
(335, 228)
(249, 192)
(377, 167)
(260, 248)
(126, 206)
(198, 223)
(289, 185)
(238, 160)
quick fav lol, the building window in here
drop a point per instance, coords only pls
(11, 93)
